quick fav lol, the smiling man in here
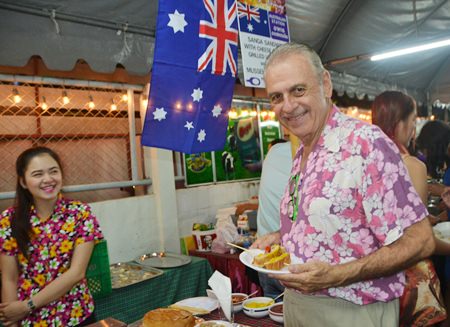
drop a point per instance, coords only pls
(349, 213)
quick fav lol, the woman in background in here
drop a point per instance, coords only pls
(395, 113)
(45, 245)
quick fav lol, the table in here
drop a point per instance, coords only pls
(243, 279)
(239, 317)
(242, 318)
(130, 303)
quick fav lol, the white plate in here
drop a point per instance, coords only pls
(246, 258)
(221, 322)
(201, 302)
(442, 231)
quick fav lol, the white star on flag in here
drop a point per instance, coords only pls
(250, 27)
(177, 22)
(217, 111)
(197, 94)
(159, 114)
(189, 125)
(201, 135)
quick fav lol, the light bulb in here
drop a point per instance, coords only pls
(244, 113)
(264, 114)
(178, 105)
(16, 96)
(232, 114)
(91, 103)
(253, 113)
(271, 115)
(124, 97)
(144, 102)
(113, 106)
(65, 98)
(44, 104)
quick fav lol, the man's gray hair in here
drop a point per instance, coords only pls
(286, 49)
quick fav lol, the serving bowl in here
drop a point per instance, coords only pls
(276, 312)
(238, 299)
(257, 307)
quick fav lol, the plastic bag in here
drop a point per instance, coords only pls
(226, 231)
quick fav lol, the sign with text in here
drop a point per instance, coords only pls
(262, 27)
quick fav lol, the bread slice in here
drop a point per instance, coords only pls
(262, 258)
(278, 262)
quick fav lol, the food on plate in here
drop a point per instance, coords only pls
(168, 317)
(123, 274)
(238, 298)
(256, 305)
(274, 258)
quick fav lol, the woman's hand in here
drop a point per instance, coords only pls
(266, 240)
(12, 312)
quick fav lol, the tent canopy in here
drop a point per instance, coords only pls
(344, 32)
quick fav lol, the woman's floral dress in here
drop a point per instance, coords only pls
(50, 252)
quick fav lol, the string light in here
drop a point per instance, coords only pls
(253, 113)
(16, 96)
(178, 105)
(44, 105)
(232, 113)
(145, 102)
(91, 103)
(113, 105)
(124, 97)
(65, 98)
(271, 115)
(244, 113)
(264, 114)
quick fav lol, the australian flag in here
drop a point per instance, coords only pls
(193, 75)
(253, 20)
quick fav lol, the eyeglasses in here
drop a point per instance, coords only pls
(293, 193)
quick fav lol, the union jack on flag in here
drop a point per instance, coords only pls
(222, 35)
(245, 10)
(193, 75)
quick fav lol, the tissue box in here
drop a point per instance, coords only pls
(203, 239)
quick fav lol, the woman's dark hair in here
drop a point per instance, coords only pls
(390, 108)
(20, 223)
(433, 141)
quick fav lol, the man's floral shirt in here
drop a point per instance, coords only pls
(354, 197)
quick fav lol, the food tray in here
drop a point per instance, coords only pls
(163, 260)
(129, 273)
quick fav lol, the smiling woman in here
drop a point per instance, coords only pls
(45, 245)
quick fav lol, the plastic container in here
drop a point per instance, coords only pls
(203, 239)
(97, 273)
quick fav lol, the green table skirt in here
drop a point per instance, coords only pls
(130, 303)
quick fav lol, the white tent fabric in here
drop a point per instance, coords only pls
(107, 33)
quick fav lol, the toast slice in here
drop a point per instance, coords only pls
(262, 258)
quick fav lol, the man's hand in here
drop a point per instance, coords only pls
(446, 196)
(266, 240)
(310, 277)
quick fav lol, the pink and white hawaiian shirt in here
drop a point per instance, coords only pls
(354, 197)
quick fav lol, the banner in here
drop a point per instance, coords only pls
(263, 25)
(193, 75)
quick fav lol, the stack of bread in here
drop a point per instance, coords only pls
(167, 317)
(274, 258)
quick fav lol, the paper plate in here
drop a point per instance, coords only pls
(442, 231)
(246, 258)
(197, 305)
